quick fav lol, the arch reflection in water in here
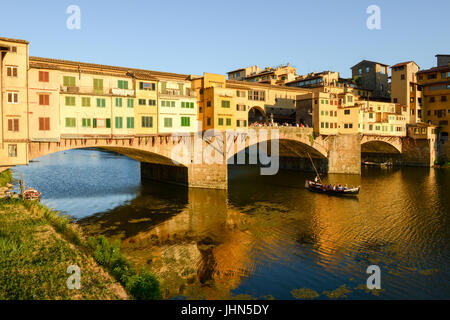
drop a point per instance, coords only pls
(194, 244)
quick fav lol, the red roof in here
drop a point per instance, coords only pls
(402, 64)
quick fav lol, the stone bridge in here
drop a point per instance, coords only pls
(201, 159)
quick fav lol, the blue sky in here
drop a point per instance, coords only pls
(193, 37)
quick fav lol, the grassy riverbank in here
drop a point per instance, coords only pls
(37, 245)
(5, 177)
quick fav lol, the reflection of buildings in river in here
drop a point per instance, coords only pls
(382, 223)
(201, 244)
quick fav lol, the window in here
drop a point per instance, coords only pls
(13, 125)
(228, 121)
(432, 76)
(100, 123)
(225, 104)
(257, 95)
(395, 100)
(208, 121)
(44, 99)
(367, 69)
(147, 122)
(443, 98)
(69, 81)
(108, 123)
(402, 77)
(168, 122)
(44, 76)
(130, 103)
(185, 121)
(152, 102)
(350, 125)
(44, 124)
(98, 85)
(208, 103)
(85, 102)
(432, 99)
(70, 101)
(12, 150)
(14, 49)
(130, 122)
(240, 93)
(346, 111)
(70, 122)
(345, 125)
(443, 75)
(118, 102)
(142, 102)
(119, 122)
(349, 99)
(122, 84)
(167, 103)
(11, 71)
(220, 121)
(146, 86)
(86, 123)
(101, 103)
(13, 97)
(360, 71)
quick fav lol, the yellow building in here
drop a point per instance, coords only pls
(146, 106)
(14, 101)
(178, 109)
(270, 75)
(228, 104)
(382, 118)
(405, 90)
(436, 98)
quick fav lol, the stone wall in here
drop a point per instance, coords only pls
(344, 154)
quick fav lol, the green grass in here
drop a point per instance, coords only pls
(142, 285)
(37, 245)
(34, 257)
(5, 177)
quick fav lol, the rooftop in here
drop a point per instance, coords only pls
(14, 40)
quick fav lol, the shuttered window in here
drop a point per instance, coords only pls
(98, 85)
(130, 103)
(108, 123)
(118, 102)
(70, 122)
(220, 121)
(13, 125)
(122, 84)
(225, 104)
(130, 122)
(85, 102)
(69, 81)
(101, 103)
(70, 101)
(185, 121)
(44, 76)
(119, 123)
(86, 123)
(44, 99)
(44, 124)
(168, 122)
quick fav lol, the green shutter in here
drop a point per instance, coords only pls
(108, 123)
(94, 123)
(182, 104)
(130, 103)
(141, 85)
(181, 87)
(163, 87)
(220, 121)
(68, 81)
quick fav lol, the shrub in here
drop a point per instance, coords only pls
(144, 286)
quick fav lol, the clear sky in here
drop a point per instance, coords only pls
(193, 37)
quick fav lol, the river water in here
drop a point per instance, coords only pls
(266, 236)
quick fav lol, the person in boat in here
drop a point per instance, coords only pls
(316, 179)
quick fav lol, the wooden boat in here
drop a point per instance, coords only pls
(318, 186)
(334, 190)
(31, 194)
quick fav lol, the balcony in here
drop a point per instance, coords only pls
(121, 92)
(97, 91)
(174, 93)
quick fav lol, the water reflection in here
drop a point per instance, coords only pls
(266, 235)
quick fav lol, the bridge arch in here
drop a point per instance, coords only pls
(379, 146)
(256, 114)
